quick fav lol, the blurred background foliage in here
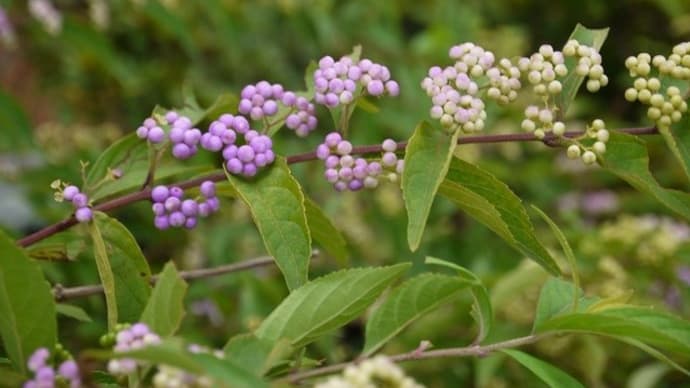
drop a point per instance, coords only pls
(72, 84)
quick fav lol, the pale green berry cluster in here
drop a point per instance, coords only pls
(589, 155)
(588, 64)
(504, 82)
(374, 372)
(541, 121)
(666, 102)
(543, 68)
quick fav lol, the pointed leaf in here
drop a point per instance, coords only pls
(27, 309)
(408, 302)
(492, 203)
(552, 376)
(72, 311)
(255, 354)
(105, 273)
(571, 84)
(327, 303)
(324, 232)
(482, 312)
(427, 157)
(165, 309)
(130, 269)
(626, 156)
(276, 202)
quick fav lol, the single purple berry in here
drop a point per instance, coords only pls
(139, 329)
(176, 135)
(172, 204)
(213, 204)
(149, 123)
(156, 135)
(142, 132)
(189, 207)
(177, 219)
(249, 170)
(158, 209)
(171, 116)
(190, 223)
(83, 214)
(69, 192)
(161, 222)
(208, 189)
(182, 151)
(80, 200)
(389, 145)
(234, 166)
(160, 193)
(322, 152)
(177, 192)
(375, 88)
(245, 153)
(38, 359)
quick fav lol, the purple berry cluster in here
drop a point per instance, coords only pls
(262, 100)
(183, 137)
(346, 172)
(335, 82)
(240, 159)
(134, 337)
(171, 209)
(45, 375)
(83, 212)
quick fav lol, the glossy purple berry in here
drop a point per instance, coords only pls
(69, 192)
(83, 214)
(160, 193)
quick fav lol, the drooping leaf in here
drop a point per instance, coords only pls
(130, 269)
(327, 303)
(27, 309)
(646, 325)
(482, 312)
(276, 202)
(552, 376)
(73, 312)
(626, 157)
(427, 157)
(571, 84)
(324, 232)
(105, 273)
(492, 203)
(165, 309)
(408, 302)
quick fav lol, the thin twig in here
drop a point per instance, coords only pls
(549, 140)
(60, 293)
(474, 350)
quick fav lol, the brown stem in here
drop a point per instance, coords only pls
(145, 193)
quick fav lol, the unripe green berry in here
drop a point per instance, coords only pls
(573, 151)
(667, 108)
(676, 116)
(654, 113)
(598, 124)
(664, 121)
(631, 94)
(593, 85)
(528, 125)
(539, 133)
(589, 157)
(644, 95)
(656, 100)
(640, 83)
(653, 84)
(599, 147)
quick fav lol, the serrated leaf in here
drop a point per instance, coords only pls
(165, 309)
(427, 157)
(324, 232)
(276, 202)
(73, 312)
(552, 376)
(27, 309)
(406, 303)
(482, 312)
(626, 157)
(130, 269)
(572, 82)
(327, 303)
(654, 328)
(492, 203)
(105, 273)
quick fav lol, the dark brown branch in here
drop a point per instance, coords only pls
(145, 193)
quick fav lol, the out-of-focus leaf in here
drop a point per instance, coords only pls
(648, 376)
(15, 124)
(552, 376)
(72, 311)
(327, 303)
(27, 309)
(165, 309)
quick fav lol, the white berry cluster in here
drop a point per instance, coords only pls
(588, 64)
(541, 121)
(589, 155)
(454, 93)
(666, 105)
(168, 376)
(504, 82)
(375, 372)
(543, 70)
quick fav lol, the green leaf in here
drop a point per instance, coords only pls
(27, 309)
(130, 269)
(678, 141)
(255, 354)
(327, 303)
(482, 312)
(225, 103)
(552, 376)
(427, 157)
(491, 202)
(571, 83)
(72, 311)
(408, 302)
(11, 378)
(17, 129)
(566, 249)
(324, 232)
(66, 245)
(105, 273)
(654, 328)
(165, 309)
(555, 297)
(120, 154)
(276, 202)
(626, 157)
